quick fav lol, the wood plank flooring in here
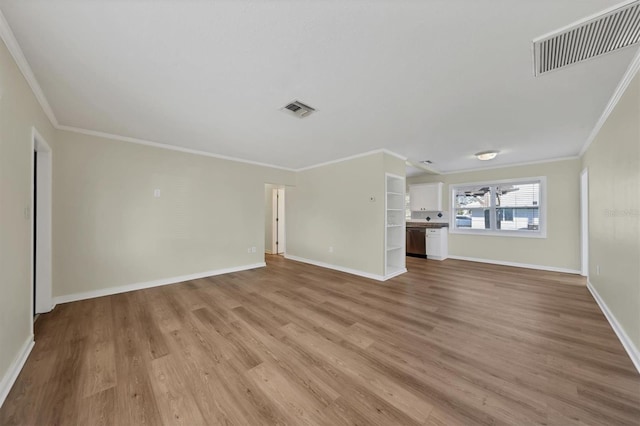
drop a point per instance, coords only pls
(448, 343)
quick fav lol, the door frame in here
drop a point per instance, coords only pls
(278, 226)
(584, 222)
(42, 217)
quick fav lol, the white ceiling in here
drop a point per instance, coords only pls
(437, 80)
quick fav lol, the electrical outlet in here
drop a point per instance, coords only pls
(253, 249)
(156, 193)
(330, 249)
(597, 269)
(249, 250)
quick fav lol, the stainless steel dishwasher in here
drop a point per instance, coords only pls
(416, 242)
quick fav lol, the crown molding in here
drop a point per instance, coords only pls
(506, 166)
(16, 52)
(167, 146)
(18, 56)
(353, 157)
(628, 76)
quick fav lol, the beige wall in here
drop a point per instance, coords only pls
(561, 248)
(613, 163)
(330, 207)
(110, 230)
(19, 112)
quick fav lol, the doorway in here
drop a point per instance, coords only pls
(274, 219)
(584, 222)
(41, 225)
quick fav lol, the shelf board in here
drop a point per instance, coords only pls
(394, 226)
(395, 210)
(394, 248)
(394, 193)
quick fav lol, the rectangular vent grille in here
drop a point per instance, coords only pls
(601, 34)
(298, 109)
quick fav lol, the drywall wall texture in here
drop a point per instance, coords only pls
(111, 230)
(19, 113)
(561, 248)
(331, 207)
(613, 163)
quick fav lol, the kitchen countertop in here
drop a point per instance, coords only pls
(423, 224)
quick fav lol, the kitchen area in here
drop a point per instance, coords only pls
(427, 229)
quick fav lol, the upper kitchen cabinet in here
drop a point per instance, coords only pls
(425, 197)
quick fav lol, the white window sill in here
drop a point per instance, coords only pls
(491, 233)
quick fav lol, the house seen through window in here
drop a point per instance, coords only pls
(513, 208)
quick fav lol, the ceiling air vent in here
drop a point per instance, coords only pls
(605, 32)
(298, 109)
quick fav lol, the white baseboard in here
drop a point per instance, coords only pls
(148, 284)
(395, 274)
(628, 345)
(267, 251)
(337, 268)
(11, 374)
(517, 265)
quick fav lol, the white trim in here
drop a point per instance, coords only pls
(394, 154)
(584, 222)
(517, 264)
(493, 233)
(280, 226)
(210, 154)
(16, 52)
(627, 343)
(628, 76)
(272, 220)
(395, 274)
(403, 269)
(14, 48)
(542, 210)
(420, 165)
(43, 216)
(14, 369)
(505, 166)
(166, 146)
(148, 284)
(353, 157)
(340, 268)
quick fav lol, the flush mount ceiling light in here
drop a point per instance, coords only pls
(486, 155)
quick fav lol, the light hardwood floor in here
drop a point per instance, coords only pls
(448, 343)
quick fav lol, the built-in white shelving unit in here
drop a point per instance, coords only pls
(395, 226)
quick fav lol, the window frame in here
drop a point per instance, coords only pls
(542, 209)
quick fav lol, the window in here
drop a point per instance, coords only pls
(508, 208)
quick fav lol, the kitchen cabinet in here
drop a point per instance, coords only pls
(437, 243)
(425, 197)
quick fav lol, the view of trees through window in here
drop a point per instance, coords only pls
(503, 206)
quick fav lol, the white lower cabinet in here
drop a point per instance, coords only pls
(437, 243)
